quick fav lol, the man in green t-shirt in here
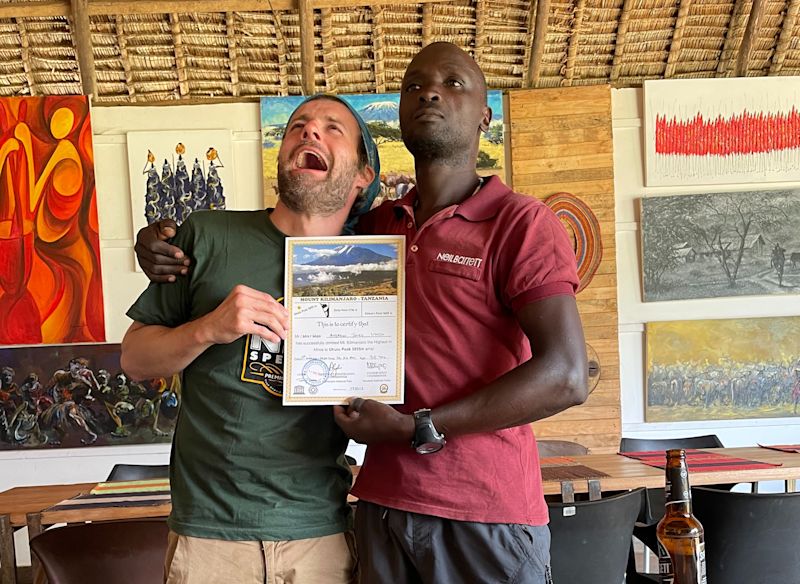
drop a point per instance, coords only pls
(258, 490)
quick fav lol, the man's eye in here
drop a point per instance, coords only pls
(455, 83)
(336, 129)
(411, 87)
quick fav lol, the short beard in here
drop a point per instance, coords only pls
(302, 194)
(444, 147)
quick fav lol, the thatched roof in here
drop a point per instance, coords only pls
(140, 51)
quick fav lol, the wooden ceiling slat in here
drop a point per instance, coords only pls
(677, 37)
(534, 70)
(122, 42)
(572, 46)
(748, 41)
(180, 54)
(619, 47)
(23, 38)
(737, 22)
(785, 38)
(233, 52)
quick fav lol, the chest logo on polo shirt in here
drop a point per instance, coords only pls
(263, 363)
(460, 260)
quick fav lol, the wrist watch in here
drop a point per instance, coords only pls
(426, 439)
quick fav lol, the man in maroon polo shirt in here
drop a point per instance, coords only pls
(490, 276)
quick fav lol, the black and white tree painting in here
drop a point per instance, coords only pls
(721, 244)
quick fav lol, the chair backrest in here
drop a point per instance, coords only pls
(591, 539)
(647, 444)
(560, 448)
(136, 472)
(98, 553)
(749, 537)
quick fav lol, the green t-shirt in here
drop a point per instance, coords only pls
(243, 466)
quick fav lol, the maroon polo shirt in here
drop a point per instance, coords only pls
(469, 269)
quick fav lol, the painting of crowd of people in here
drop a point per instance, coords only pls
(77, 395)
(723, 369)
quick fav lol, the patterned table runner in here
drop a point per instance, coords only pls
(145, 493)
(782, 447)
(700, 460)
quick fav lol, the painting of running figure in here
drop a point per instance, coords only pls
(720, 244)
(67, 396)
(722, 369)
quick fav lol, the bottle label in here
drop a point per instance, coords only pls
(666, 571)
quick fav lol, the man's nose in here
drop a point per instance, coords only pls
(311, 131)
(428, 93)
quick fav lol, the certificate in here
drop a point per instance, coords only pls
(346, 303)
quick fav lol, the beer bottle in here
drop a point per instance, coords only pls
(681, 547)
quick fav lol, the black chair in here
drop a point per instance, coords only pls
(138, 472)
(591, 539)
(117, 552)
(645, 529)
(750, 538)
(648, 444)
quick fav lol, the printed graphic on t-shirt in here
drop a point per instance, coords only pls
(263, 363)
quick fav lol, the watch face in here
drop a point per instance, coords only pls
(429, 447)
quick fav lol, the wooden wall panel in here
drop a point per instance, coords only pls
(561, 141)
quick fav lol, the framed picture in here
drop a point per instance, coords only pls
(174, 173)
(381, 114)
(66, 396)
(721, 244)
(50, 282)
(722, 131)
(722, 369)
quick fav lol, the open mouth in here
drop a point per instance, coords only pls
(310, 160)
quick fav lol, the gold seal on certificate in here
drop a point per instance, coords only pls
(346, 302)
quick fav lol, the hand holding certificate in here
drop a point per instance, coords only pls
(346, 302)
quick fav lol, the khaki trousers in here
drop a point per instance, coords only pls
(320, 560)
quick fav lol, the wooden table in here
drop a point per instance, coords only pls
(624, 474)
(15, 504)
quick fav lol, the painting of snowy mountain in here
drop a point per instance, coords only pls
(344, 270)
(380, 112)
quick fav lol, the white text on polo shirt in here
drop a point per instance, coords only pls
(459, 259)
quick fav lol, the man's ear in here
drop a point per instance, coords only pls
(486, 119)
(365, 177)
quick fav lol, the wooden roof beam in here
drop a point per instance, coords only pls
(180, 55)
(572, 46)
(122, 41)
(233, 52)
(306, 10)
(749, 39)
(784, 40)
(50, 8)
(727, 59)
(677, 38)
(379, 48)
(427, 25)
(619, 43)
(537, 44)
(329, 65)
(25, 46)
(82, 34)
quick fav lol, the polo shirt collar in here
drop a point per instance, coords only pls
(481, 206)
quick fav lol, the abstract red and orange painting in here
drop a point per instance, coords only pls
(722, 131)
(50, 281)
